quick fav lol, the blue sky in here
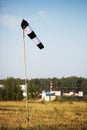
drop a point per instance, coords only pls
(61, 25)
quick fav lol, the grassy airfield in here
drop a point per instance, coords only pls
(43, 115)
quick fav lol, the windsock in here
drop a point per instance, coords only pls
(26, 27)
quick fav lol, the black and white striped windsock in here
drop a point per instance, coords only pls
(26, 27)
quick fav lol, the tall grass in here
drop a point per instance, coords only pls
(43, 116)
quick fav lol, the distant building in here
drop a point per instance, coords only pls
(23, 88)
(78, 94)
(50, 96)
(1, 85)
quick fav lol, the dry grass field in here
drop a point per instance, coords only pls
(43, 116)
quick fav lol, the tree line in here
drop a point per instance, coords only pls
(11, 89)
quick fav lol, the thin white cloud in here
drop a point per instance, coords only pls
(42, 13)
(9, 20)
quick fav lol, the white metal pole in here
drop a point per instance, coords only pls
(25, 76)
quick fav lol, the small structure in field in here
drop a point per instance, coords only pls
(78, 94)
(47, 96)
(50, 96)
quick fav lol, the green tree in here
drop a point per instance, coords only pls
(13, 91)
(33, 90)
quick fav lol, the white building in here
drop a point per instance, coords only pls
(1, 86)
(79, 94)
(50, 96)
(23, 88)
